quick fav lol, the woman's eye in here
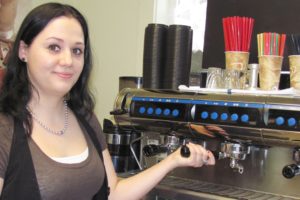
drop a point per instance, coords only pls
(77, 51)
(54, 48)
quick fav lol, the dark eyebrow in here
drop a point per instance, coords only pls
(55, 38)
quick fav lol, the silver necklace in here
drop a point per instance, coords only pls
(66, 121)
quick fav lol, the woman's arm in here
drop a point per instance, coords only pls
(139, 185)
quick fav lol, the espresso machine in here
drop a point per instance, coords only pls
(255, 139)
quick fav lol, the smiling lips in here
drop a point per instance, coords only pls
(64, 75)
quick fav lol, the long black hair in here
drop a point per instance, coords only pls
(16, 90)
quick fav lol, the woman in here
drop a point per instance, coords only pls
(51, 144)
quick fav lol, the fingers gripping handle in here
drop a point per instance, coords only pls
(185, 152)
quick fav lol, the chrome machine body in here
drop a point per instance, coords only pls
(255, 138)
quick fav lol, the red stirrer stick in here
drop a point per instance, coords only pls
(282, 44)
(225, 35)
(250, 29)
(237, 33)
(244, 37)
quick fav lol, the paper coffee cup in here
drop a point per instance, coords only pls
(237, 60)
(294, 62)
(269, 71)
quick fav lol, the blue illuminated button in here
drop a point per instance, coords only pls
(142, 110)
(224, 116)
(279, 121)
(234, 117)
(167, 111)
(214, 115)
(175, 112)
(150, 111)
(245, 118)
(204, 115)
(292, 121)
(158, 111)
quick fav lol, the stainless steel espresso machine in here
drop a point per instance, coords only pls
(255, 139)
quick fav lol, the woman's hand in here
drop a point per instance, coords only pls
(137, 187)
(199, 156)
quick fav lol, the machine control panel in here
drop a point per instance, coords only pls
(160, 108)
(234, 113)
(227, 113)
(283, 117)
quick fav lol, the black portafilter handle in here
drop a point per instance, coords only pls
(185, 152)
(152, 150)
(289, 171)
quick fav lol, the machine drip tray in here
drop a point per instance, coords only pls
(175, 188)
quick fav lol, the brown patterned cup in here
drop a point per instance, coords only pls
(269, 71)
(294, 62)
(237, 60)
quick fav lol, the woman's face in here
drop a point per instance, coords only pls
(55, 58)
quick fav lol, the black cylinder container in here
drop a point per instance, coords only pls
(118, 140)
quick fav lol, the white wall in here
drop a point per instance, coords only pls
(117, 36)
